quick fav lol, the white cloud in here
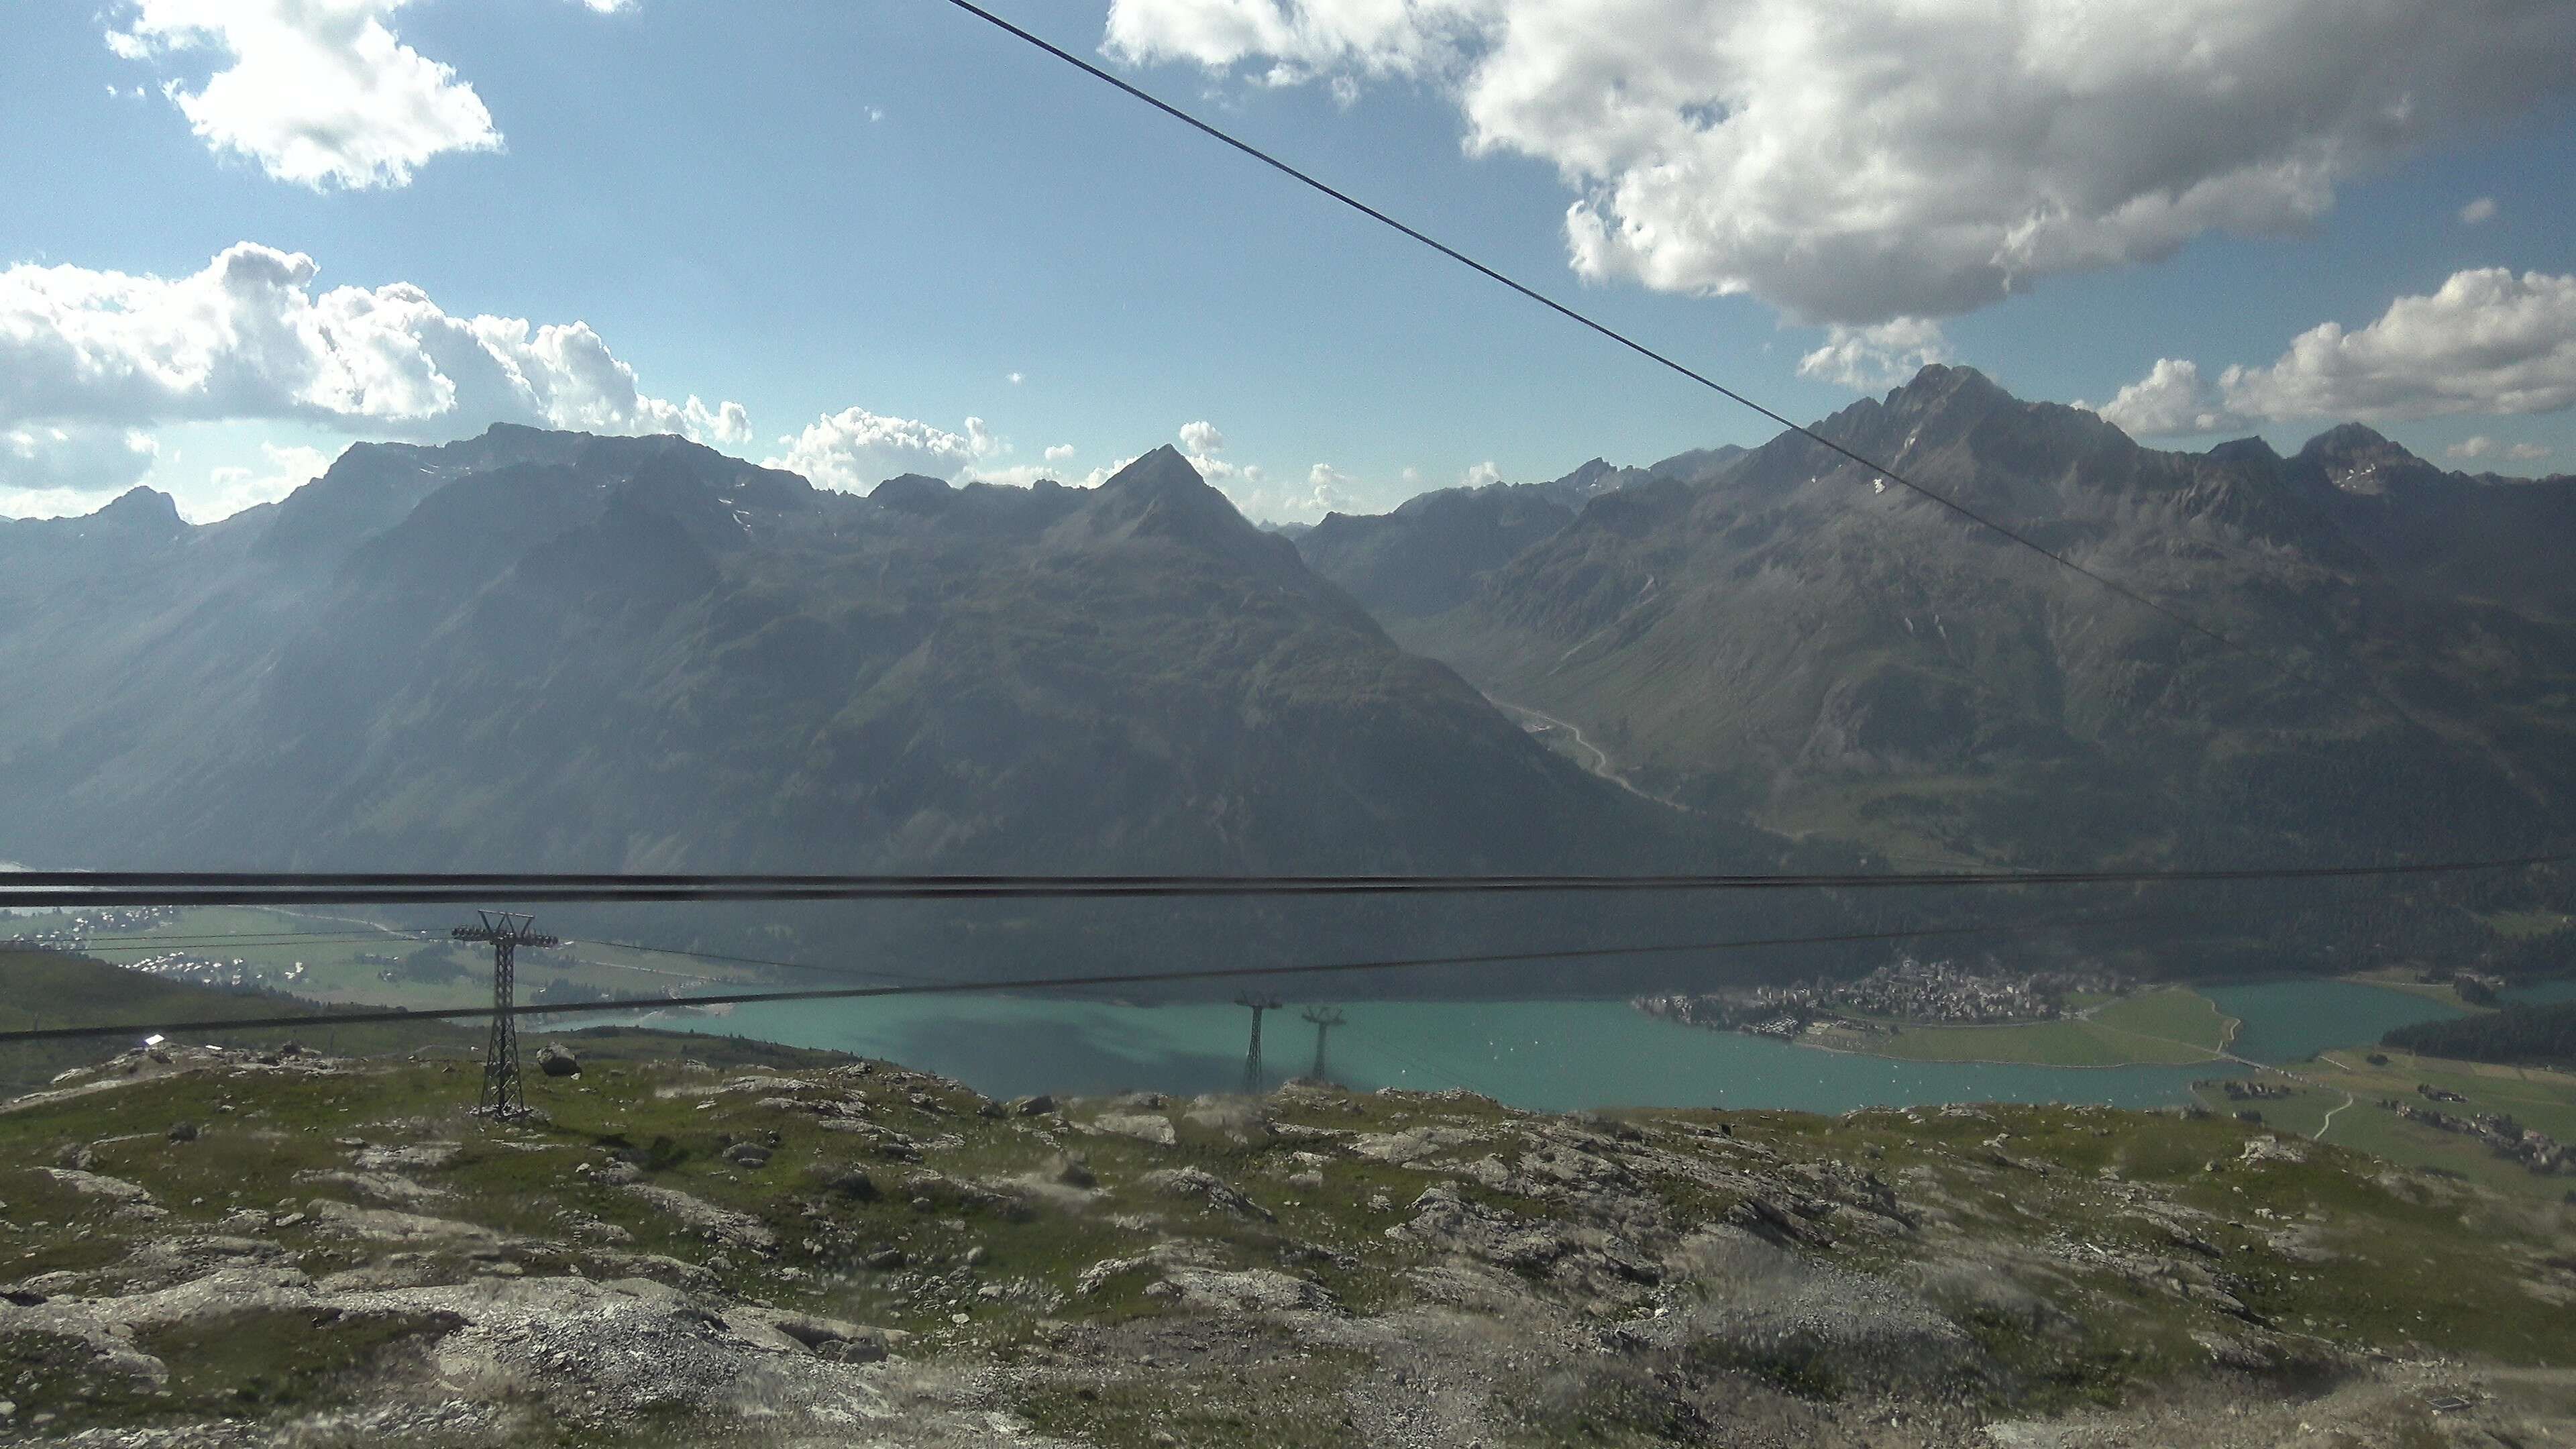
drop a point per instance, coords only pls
(1879, 159)
(1105, 472)
(854, 450)
(1328, 490)
(1881, 355)
(74, 460)
(1201, 441)
(320, 93)
(1480, 475)
(1015, 379)
(249, 338)
(2480, 446)
(232, 489)
(1059, 453)
(2481, 210)
(2170, 401)
(1016, 475)
(2486, 343)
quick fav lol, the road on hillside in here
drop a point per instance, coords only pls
(1600, 757)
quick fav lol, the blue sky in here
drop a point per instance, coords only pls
(807, 209)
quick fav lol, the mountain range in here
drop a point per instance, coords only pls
(547, 650)
(2357, 653)
(544, 650)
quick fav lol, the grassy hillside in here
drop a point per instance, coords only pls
(673, 1253)
(51, 989)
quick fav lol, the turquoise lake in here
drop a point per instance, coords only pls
(1549, 1055)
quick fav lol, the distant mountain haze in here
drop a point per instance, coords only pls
(546, 650)
(1782, 635)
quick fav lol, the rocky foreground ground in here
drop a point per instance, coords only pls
(220, 1248)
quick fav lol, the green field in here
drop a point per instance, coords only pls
(2174, 1026)
(2536, 1098)
(2524, 925)
(332, 946)
(2402, 978)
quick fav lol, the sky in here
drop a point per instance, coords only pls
(862, 239)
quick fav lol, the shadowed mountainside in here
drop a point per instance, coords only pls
(1779, 633)
(546, 650)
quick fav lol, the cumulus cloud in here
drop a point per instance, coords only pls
(2481, 210)
(2170, 401)
(854, 450)
(2481, 446)
(1060, 452)
(74, 460)
(2487, 342)
(234, 488)
(248, 337)
(1201, 442)
(1881, 355)
(1479, 475)
(1328, 490)
(320, 93)
(1106, 471)
(1883, 159)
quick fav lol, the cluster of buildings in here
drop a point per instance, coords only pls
(1937, 992)
(2533, 1148)
(73, 934)
(211, 971)
(2245, 1091)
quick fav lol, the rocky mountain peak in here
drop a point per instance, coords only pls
(913, 493)
(142, 508)
(2358, 459)
(1950, 387)
(2245, 452)
(1164, 471)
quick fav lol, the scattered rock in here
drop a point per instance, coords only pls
(715, 1224)
(846, 1179)
(2268, 1148)
(91, 1184)
(1157, 1130)
(1255, 1290)
(557, 1060)
(1206, 1187)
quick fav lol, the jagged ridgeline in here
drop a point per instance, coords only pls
(1785, 634)
(554, 651)
(539, 650)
